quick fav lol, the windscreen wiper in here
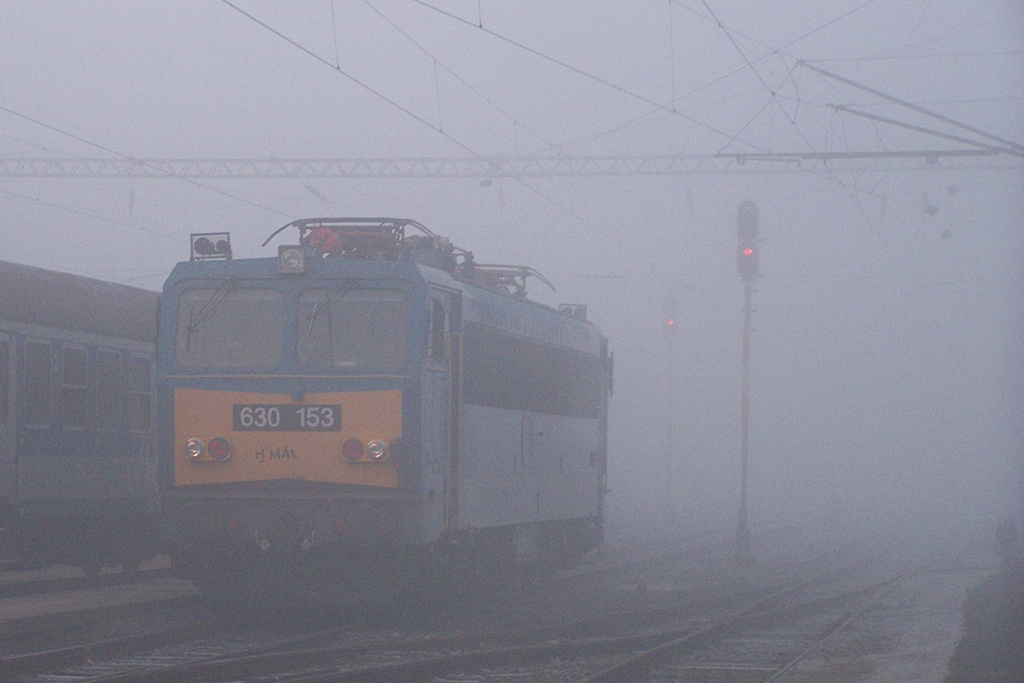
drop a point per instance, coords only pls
(346, 287)
(197, 318)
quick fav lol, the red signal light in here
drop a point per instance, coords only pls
(669, 313)
(746, 261)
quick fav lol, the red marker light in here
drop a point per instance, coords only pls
(748, 251)
(352, 449)
(219, 448)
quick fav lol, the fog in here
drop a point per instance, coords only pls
(886, 381)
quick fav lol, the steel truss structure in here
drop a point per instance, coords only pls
(510, 167)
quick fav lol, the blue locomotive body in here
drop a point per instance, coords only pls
(466, 424)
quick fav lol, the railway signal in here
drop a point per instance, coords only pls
(747, 265)
(746, 233)
(671, 321)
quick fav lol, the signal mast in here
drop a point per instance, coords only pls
(670, 322)
(747, 266)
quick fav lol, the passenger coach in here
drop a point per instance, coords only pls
(371, 410)
(77, 454)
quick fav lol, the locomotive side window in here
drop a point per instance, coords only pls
(503, 371)
(5, 380)
(140, 389)
(360, 329)
(108, 389)
(229, 327)
(74, 387)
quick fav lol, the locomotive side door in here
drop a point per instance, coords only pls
(8, 463)
(446, 395)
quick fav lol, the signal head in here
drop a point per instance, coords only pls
(747, 260)
(746, 221)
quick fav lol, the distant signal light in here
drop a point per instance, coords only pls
(746, 233)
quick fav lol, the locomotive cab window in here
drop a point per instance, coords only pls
(229, 327)
(358, 329)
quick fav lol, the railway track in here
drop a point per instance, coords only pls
(614, 621)
(589, 645)
(18, 583)
(760, 643)
(168, 634)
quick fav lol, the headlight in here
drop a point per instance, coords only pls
(194, 449)
(291, 260)
(377, 450)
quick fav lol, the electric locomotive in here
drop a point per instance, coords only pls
(77, 452)
(372, 410)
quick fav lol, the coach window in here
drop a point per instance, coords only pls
(5, 380)
(74, 388)
(139, 392)
(108, 389)
(37, 383)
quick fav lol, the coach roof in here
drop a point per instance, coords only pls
(48, 298)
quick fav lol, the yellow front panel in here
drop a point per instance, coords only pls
(303, 455)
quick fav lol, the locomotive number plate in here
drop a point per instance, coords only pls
(285, 417)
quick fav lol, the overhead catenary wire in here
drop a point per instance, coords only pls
(772, 92)
(617, 240)
(337, 68)
(80, 212)
(672, 54)
(35, 147)
(913, 107)
(159, 171)
(922, 129)
(334, 34)
(87, 214)
(565, 65)
(824, 26)
(456, 76)
(773, 51)
(930, 55)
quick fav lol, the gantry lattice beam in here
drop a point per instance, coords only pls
(509, 167)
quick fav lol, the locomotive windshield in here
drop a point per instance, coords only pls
(229, 327)
(351, 328)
